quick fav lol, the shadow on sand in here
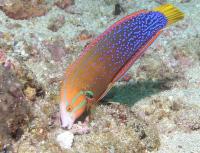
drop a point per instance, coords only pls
(130, 93)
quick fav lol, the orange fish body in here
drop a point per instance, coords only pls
(107, 58)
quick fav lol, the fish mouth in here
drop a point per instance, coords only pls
(66, 119)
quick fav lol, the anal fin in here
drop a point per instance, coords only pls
(106, 91)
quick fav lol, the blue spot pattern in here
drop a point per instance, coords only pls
(125, 39)
(118, 46)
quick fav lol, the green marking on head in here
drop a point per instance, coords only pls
(89, 94)
(82, 103)
(76, 97)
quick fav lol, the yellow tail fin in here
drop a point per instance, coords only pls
(172, 13)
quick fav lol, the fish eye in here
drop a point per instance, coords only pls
(69, 108)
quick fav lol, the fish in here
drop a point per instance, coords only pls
(108, 57)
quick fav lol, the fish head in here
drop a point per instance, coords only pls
(72, 106)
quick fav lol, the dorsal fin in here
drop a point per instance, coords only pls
(101, 36)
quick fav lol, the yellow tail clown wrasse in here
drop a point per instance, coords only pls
(108, 57)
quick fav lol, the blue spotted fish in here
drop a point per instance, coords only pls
(108, 57)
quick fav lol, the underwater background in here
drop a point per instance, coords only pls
(154, 108)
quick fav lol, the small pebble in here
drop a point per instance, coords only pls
(65, 139)
(84, 35)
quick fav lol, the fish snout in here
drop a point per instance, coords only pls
(66, 118)
(66, 121)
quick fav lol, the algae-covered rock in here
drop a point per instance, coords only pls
(14, 110)
(19, 9)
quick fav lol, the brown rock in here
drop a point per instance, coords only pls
(20, 9)
(64, 3)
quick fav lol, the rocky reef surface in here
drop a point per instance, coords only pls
(155, 107)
